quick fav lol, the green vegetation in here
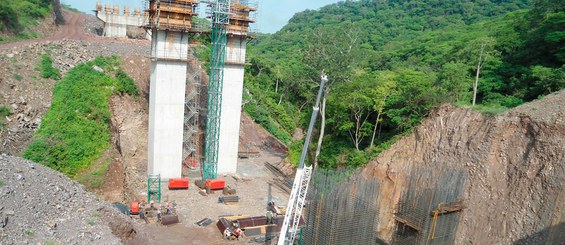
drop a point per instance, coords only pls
(50, 242)
(2, 183)
(18, 77)
(75, 131)
(17, 15)
(4, 112)
(94, 175)
(389, 63)
(47, 69)
(95, 214)
(28, 232)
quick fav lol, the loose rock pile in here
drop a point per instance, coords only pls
(41, 206)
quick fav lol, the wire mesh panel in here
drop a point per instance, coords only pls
(341, 209)
(429, 209)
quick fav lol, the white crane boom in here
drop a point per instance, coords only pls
(301, 181)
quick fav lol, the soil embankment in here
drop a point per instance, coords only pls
(41, 206)
(515, 163)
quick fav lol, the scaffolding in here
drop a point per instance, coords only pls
(341, 209)
(172, 15)
(242, 14)
(430, 206)
(220, 19)
(154, 188)
(191, 136)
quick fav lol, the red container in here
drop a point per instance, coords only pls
(134, 208)
(216, 184)
(180, 183)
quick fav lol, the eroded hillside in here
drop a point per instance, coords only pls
(514, 164)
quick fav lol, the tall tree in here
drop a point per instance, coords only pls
(454, 81)
(352, 105)
(484, 49)
(333, 50)
(385, 87)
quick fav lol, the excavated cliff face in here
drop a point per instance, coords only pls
(515, 164)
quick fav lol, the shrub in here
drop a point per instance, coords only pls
(18, 77)
(295, 152)
(47, 69)
(4, 111)
(126, 84)
(75, 131)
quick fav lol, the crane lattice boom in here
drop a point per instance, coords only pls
(297, 197)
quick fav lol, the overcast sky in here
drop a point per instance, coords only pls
(271, 17)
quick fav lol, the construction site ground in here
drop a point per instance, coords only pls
(30, 97)
(251, 184)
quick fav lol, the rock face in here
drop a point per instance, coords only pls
(39, 205)
(515, 164)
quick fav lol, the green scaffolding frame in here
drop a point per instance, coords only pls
(220, 19)
(154, 188)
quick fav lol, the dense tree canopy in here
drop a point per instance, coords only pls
(390, 62)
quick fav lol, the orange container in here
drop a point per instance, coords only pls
(134, 208)
(179, 183)
(216, 184)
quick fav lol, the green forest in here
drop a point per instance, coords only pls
(390, 62)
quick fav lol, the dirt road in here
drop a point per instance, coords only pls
(72, 30)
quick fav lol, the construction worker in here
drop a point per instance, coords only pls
(159, 215)
(237, 233)
(269, 217)
(168, 208)
(229, 235)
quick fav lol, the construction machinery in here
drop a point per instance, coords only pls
(297, 197)
(178, 183)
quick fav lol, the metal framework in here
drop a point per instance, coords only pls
(220, 20)
(342, 208)
(154, 188)
(297, 197)
(429, 209)
(191, 136)
(173, 15)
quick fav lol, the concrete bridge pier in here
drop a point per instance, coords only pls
(169, 54)
(232, 94)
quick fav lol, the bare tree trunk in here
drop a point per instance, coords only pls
(355, 136)
(479, 64)
(280, 98)
(322, 126)
(476, 83)
(375, 128)
(58, 12)
(357, 131)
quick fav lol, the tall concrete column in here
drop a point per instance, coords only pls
(169, 53)
(232, 93)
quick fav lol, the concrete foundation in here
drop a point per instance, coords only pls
(166, 102)
(232, 93)
(115, 24)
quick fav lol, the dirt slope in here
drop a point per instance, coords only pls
(515, 163)
(39, 205)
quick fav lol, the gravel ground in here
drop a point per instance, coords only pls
(41, 206)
